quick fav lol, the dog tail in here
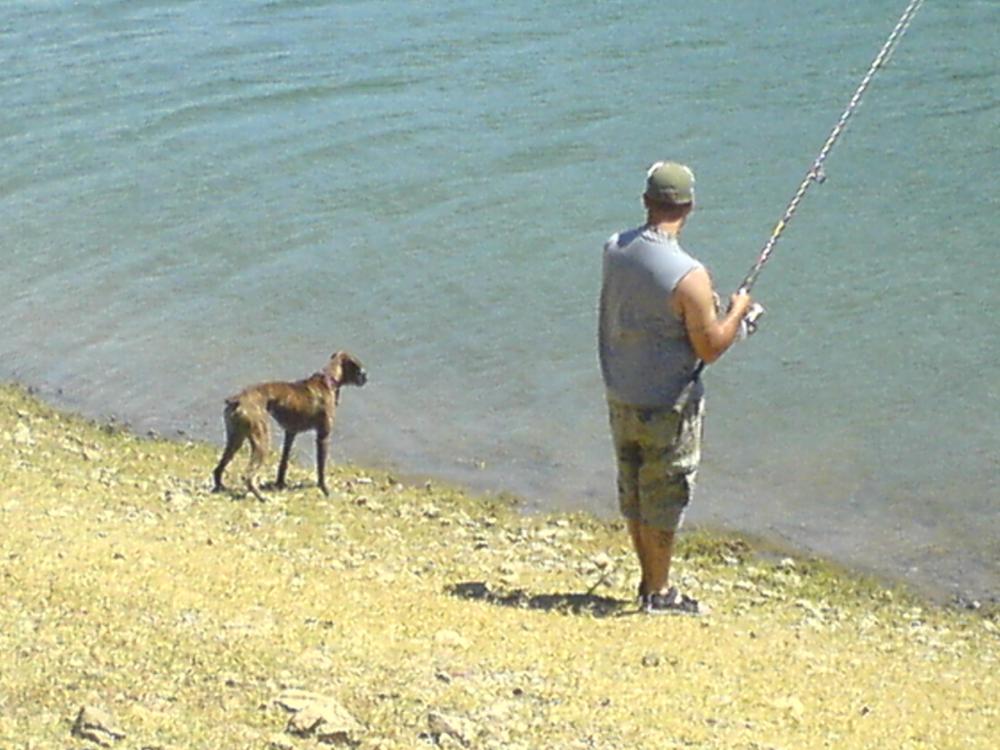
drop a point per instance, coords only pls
(232, 412)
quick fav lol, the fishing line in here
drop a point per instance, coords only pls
(816, 173)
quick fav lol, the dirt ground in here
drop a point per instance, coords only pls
(393, 615)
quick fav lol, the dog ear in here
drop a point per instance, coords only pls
(336, 354)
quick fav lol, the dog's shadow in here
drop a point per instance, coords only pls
(274, 492)
(576, 604)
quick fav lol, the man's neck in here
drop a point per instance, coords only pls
(671, 228)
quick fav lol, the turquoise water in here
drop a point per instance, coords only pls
(196, 196)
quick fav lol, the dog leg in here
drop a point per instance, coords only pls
(322, 447)
(285, 453)
(260, 439)
(234, 441)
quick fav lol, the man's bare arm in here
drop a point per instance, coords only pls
(694, 301)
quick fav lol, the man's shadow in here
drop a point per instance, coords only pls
(576, 604)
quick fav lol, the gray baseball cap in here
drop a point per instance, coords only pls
(671, 182)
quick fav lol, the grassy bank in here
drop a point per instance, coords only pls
(433, 619)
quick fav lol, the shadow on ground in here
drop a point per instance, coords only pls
(576, 604)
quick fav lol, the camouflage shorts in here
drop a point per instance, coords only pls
(658, 452)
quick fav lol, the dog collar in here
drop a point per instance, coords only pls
(332, 384)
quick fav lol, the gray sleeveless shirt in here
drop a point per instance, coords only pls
(646, 357)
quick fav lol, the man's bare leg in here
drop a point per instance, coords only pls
(655, 548)
(635, 532)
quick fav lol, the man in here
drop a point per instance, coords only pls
(658, 317)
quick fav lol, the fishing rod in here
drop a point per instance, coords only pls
(816, 173)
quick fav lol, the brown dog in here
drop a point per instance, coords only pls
(308, 404)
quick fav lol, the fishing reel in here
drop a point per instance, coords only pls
(748, 326)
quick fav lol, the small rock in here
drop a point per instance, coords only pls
(459, 729)
(178, 499)
(22, 435)
(603, 561)
(97, 726)
(791, 704)
(296, 700)
(319, 716)
(651, 660)
(451, 639)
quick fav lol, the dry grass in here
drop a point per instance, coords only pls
(127, 586)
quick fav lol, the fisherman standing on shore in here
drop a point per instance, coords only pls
(658, 317)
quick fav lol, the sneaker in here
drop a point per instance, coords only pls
(671, 603)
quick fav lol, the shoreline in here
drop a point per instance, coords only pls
(428, 617)
(770, 547)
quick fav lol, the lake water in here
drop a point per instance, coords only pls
(197, 196)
